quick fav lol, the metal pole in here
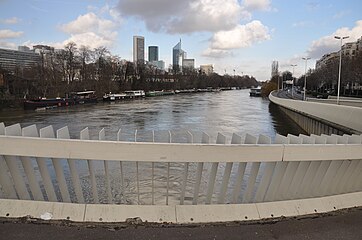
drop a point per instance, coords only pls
(339, 72)
(305, 76)
(340, 65)
(293, 65)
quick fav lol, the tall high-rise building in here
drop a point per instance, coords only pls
(177, 56)
(138, 49)
(152, 53)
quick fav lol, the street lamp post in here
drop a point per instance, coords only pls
(340, 65)
(305, 76)
(293, 65)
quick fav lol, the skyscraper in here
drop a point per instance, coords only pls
(152, 53)
(177, 54)
(138, 49)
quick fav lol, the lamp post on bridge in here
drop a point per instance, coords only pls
(340, 64)
(293, 65)
(305, 75)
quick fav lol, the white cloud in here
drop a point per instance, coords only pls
(239, 37)
(91, 39)
(253, 5)
(7, 33)
(216, 53)
(209, 15)
(91, 30)
(7, 45)
(185, 16)
(13, 20)
(329, 44)
(89, 22)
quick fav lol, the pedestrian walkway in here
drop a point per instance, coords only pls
(339, 225)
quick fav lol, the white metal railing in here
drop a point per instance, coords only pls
(45, 166)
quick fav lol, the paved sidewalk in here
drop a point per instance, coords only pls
(339, 225)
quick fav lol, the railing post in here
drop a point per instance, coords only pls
(84, 135)
(278, 173)
(63, 133)
(235, 139)
(5, 180)
(102, 137)
(185, 172)
(200, 166)
(11, 161)
(48, 132)
(168, 169)
(31, 131)
(247, 196)
(221, 139)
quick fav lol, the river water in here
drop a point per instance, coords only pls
(223, 112)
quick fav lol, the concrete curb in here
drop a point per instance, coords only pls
(179, 214)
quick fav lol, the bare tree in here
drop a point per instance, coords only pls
(85, 57)
(70, 52)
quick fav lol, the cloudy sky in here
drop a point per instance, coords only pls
(245, 35)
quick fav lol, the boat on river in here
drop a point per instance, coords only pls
(135, 94)
(114, 97)
(84, 97)
(255, 92)
(159, 93)
(47, 103)
(74, 99)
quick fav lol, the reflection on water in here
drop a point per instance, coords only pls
(225, 112)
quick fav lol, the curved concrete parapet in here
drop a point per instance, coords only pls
(345, 116)
(179, 214)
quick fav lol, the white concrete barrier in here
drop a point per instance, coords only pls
(249, 170)
(345, 116)
(249, 179)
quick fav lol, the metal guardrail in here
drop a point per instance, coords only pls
(44, 166)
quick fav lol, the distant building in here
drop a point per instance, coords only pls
(206, 69)
(158, 64)
(177, 57)
(138, 49)
(12, 59)
(24, 49)
(349, 50)
(275, 69)
(43, 48)
(152, 53)
(188, 63)
(359, 44)
(326, 60)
